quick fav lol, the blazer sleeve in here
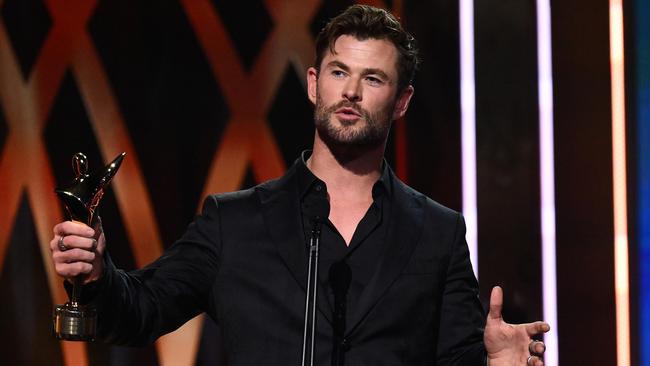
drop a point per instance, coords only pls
(462, 319)
(137, 307)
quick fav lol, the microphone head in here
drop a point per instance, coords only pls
(320, 209)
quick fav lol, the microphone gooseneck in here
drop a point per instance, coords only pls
(309, 331)
(318, 213)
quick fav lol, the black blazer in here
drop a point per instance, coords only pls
(243, 261)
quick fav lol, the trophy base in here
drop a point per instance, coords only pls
(73, 322)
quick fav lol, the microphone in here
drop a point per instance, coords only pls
(318, 211)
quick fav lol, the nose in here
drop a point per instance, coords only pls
(352, 90)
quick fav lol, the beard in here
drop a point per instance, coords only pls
(372, 133)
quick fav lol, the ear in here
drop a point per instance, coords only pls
(312, 84)
(402, 102)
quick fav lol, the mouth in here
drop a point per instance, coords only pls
(347, 113)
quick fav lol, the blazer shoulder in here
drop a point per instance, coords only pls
(252, 197)
(235, 196)
(431, 206)
(242, 200)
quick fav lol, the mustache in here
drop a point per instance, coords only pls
(348, 104)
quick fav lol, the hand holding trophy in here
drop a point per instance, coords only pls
(74, 321)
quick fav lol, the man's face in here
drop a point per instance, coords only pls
(355, 92)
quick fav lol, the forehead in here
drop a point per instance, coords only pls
(363, 54)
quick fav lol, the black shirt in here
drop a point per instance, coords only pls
(344, 271)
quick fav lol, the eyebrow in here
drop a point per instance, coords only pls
(366, 71)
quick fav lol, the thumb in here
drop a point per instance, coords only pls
(97, 225)
(496, 303)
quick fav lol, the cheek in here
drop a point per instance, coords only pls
(328, 91)
(380, 102)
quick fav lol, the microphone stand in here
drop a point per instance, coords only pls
(309, 331)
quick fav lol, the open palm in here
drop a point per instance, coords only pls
(510, 344)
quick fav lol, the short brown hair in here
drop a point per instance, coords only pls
(367, 22)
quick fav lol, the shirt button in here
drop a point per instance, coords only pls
(345, 345)
(319, 187)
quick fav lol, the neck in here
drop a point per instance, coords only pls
(347, 170)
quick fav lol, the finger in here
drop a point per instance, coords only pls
(57, 244)
(496, 303)
(533, 361)
(63, 243)
(536, 328)
(73, 269)
(73, 228)
(537, 348)
(101, 243)
(54, 243)
(73, 256)
(73, 241)
(97, 224)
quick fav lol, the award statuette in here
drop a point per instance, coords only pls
(73, 321)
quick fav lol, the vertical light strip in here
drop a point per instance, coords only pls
(468, 127)
(641, 20)
(547, 178)
(620, 183)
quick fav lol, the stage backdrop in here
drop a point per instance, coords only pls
(209, 96)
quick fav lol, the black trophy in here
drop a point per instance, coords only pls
(73, 321)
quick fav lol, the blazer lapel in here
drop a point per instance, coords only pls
(404, 230)
(281, 211)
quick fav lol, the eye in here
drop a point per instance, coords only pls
(374, 80)
(338, 73)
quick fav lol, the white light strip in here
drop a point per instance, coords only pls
(468, 127)
(621, 280)
(547, 179)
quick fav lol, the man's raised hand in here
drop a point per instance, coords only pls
(511, 344)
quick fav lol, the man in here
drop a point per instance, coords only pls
(395, 281)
